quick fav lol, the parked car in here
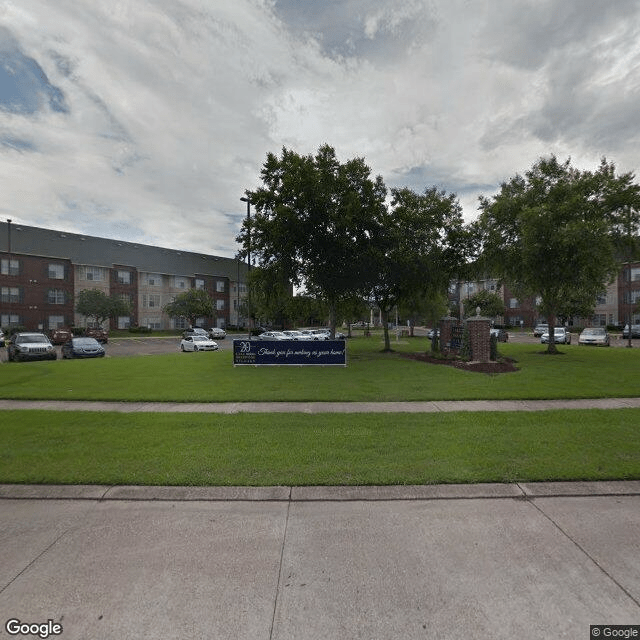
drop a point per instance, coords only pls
(100, 334)
(500, 334)
(30, 346)
(430, 333)
(539, 329)
(594, 335)
(82, 347)
(1, 338)
(297, 335)
(198, 343)
(215, 333)
(60, 336)
(560, 335)
(273, 335)
(315, 334)
(195, 331)
(635, 331)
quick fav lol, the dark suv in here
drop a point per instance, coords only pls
(30, 346)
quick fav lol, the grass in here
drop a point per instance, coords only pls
(370, 375)
(331, 449)
(320, 449)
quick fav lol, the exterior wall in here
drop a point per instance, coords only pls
(88, 276)
(629, 293)
(40, 295)
(40, 298)
(124, 284)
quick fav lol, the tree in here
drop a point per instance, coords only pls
(491, 304)
(549, 234)
(93, 303)
(192, 304)
(314, 222)
(421, 246)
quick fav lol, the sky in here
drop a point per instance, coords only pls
(146, 120)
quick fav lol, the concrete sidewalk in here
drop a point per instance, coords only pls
(323, 407)
(526, 561)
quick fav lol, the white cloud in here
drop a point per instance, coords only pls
(172, 105)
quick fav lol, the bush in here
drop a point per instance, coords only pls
(140, 330)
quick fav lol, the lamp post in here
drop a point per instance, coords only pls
(248, 261)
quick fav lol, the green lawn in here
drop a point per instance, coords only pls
(332, 449)
(326, 449)
(580, 372)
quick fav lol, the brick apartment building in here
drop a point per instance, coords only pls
(43, 270)
(613, 307)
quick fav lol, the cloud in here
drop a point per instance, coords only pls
(147, 120)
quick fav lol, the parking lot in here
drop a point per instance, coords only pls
(147, 346)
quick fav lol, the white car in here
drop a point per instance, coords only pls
(198, 343)
(560, 336)
(594, 335)
(215, 333)
(297, 335)
(273, 335)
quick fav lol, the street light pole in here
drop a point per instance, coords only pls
(248, 262)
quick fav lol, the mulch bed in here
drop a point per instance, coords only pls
(504, 365)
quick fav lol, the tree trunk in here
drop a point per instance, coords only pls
(551, 347)
(385, 328)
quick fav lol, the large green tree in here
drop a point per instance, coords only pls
(490, 303)
(314, 222)
(96, 304)
(548, 233)
(192, 304)
(422, 243)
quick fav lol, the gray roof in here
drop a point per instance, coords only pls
(82, 249)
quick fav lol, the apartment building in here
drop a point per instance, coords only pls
(43, 270)
(619, 301)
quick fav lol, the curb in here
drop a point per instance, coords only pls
(482, 491)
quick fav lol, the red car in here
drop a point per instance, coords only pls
(98, 333)
(60, 336)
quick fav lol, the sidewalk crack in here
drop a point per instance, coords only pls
(279, 581)
(587, 554)
(30, 564)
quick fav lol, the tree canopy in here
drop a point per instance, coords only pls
(191, 305)
(549, 234)
(94, 303)
(314, 221)
(421, 244)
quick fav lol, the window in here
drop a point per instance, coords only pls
(10, 294)
(220, 286)
(56, 322)
(635, 273)
(199, 284)
(601, 298)
(9, 267)
(599, 320)
(150, 301)
(55, 296)
(10, 319)
(153, 279)
(152, 323)
(220, 305)
(56, 271)
(513, 303)
(180, 283)
(94, 274)
(124, 277)
(124, 322)
(181, 323)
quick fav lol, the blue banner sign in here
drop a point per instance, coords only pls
(290, 352)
